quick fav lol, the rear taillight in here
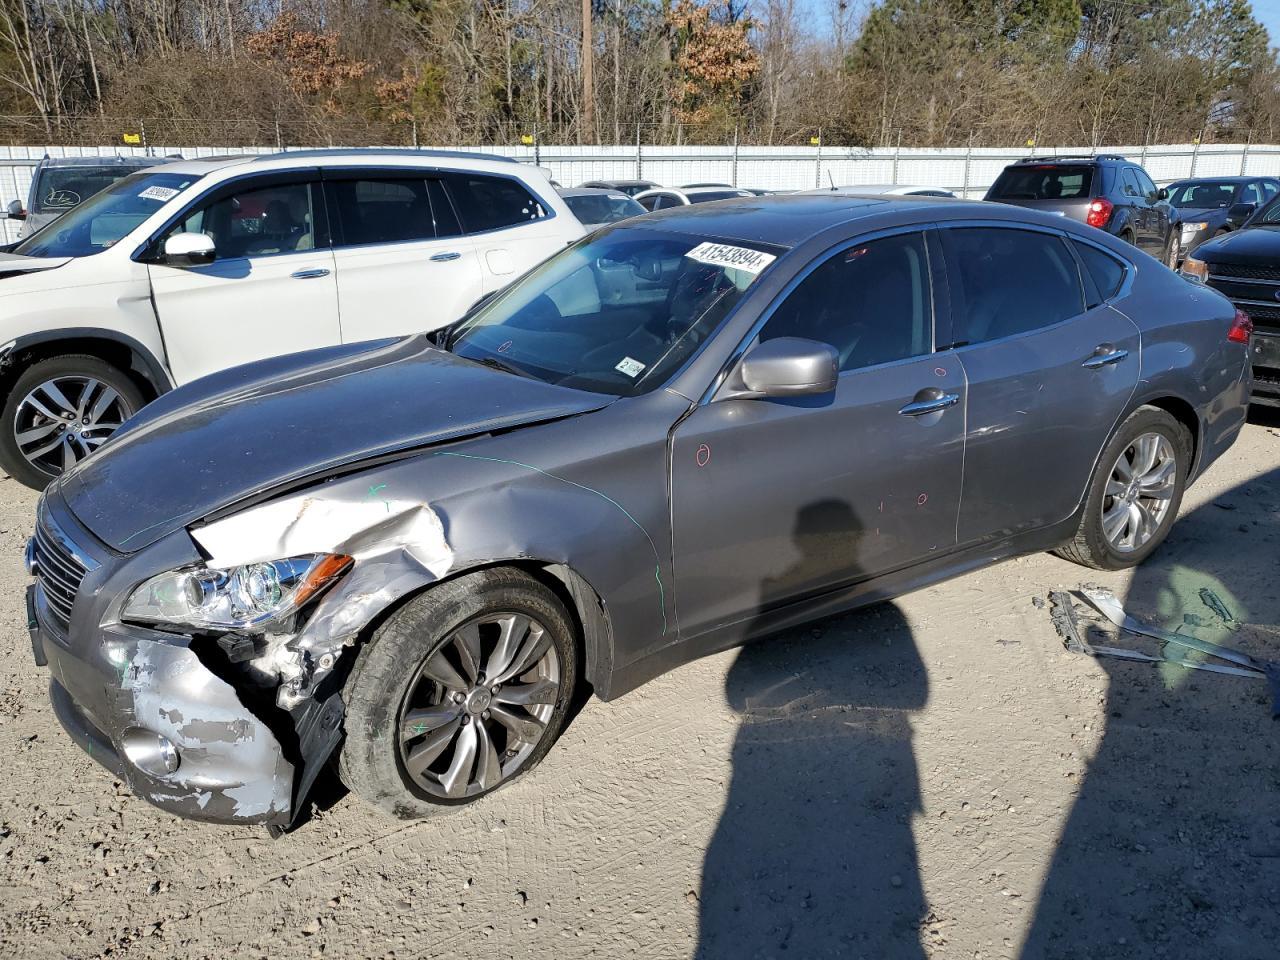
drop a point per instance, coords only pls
(1241, 328)
(1099, 213)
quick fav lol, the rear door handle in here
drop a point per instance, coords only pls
(1105, 359)
(918, 408)
(309, 274)
(445, 257)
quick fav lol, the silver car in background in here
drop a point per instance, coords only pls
(59, 184)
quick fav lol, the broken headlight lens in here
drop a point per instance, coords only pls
(236, 598)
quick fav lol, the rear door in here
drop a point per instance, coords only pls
(1050, 368)
(403, 264)
(777, 499)
(271, 289)
(510, 226)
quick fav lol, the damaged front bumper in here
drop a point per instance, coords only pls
(118, 687)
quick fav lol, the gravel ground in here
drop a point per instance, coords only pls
(935, 777)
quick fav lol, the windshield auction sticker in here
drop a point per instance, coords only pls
(163, 194)
(738, 258)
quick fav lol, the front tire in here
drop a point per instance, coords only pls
(458, 693)
(58, 412)
(1135, 492)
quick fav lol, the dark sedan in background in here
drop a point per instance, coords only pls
(1212, 206)
(1244, 265)
(685, 431)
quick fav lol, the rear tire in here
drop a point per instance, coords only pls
(1173, 253)
(1131, 506)
(431, 726)
(59, 411)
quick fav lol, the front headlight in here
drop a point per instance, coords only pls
(1189, 230)
(1194, 269)
(236, 598)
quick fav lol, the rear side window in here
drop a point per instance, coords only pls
(492, 203)
(1130, 181)
(383, 210)
(1043, 182)
(871, 302)
(1107, 272)
(1006, 282)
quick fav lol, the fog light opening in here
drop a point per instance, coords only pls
(151, 753)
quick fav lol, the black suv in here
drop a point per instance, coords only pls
(1106, 191)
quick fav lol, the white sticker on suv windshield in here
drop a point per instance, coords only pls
(739, 258)
(629, 367)
(162, 194)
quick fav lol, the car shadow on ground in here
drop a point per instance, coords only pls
(814, 855)
(1172, 848)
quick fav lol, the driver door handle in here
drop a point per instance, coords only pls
(445, 257)
(309, 274)
(1104, 358)
(918, 408)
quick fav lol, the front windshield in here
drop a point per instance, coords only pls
(1270, 214)
(104, 218)
(617, 313)
(1202, 196)
(61, 188)
(603, 207)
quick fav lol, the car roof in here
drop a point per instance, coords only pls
(872, 189)
(1232, 179)
(590, 192)
(110, 161)
(619, 183)
(786, 220)
(287, 159)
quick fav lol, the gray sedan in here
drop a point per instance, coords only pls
(683, 432)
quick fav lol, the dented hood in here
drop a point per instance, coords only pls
(245, 431)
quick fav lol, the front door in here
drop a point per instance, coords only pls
(403, 263)
(776, 499)
(1050, 370)
(270, 291)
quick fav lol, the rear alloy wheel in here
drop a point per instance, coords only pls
(60, 411)
(460, 691)
(1135, 493)
(1174, 253)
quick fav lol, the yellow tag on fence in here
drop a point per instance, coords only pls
(133, 139)
(526, 139)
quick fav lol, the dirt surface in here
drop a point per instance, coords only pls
(936, 777)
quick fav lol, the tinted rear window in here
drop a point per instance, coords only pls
(1043, 182)
(1107, 272)
(709, 195)
(491, 203)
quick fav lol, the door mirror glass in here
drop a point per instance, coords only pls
(189, 250)
(14, 211)
(1162, 194)
(787, 367)
(1238, 213)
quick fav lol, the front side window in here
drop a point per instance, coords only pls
(257, 222)
(1269, 189)
(1131, 187)
(618, 313)
(1145, 184)
(1043, 182)
(492, 203)
(1250, 194)
(871, 302)
(1007, 282)
(106, 217)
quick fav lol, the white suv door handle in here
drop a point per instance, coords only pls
(309, 274)
(443, 257)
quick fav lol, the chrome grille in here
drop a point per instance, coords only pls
(59, 573)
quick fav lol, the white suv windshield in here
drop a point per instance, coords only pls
(105, 217)
(617, 313)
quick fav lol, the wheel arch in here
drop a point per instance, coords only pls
(1182, 411)
(121, 351)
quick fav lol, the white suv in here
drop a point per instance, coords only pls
(177, 272)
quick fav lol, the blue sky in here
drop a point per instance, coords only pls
(1268, 12)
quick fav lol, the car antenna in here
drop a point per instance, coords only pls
(831, 180)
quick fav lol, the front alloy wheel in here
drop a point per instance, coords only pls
(479, 705)
(61, 421)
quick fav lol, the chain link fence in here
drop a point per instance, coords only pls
(671, 155)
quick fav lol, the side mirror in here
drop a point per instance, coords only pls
(786, 367)
(189, 250)
(1162, 194)
(1238, 213)
(14, 211)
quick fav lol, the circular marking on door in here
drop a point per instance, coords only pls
(504, 346)
(922, 500)
(939, 371)
(703, 455)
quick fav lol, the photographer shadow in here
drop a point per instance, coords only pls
(814, 854)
